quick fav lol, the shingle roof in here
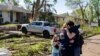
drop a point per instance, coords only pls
(14, 8)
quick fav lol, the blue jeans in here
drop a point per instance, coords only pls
(55, 54)
(77, 51)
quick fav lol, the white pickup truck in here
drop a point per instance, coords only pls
(42, 27)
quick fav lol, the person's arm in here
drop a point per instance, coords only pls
(71, 35)
(55, 40)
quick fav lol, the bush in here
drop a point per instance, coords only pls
(90, 31)
(61, 23)
(7, 22)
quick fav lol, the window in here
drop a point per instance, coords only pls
(33, 23)
(0, 13)
(38, 23)
(1, 20)
(47, 24)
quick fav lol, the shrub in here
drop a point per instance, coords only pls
(61, 23)
(90, 31)
(7, 22)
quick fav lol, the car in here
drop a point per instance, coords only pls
(41, 27)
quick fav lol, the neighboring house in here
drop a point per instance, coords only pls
(16, 14)
(64, 17)
(59, 18)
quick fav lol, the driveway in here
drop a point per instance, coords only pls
(92, 46)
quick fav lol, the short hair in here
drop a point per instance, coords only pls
(70, 23)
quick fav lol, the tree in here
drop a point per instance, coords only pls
(49, 9)
(50, 18)
(77, 4)
(95, 4)
(91, 13)
(2, 1)
(28, 4)
(15, 2)
(38, 6)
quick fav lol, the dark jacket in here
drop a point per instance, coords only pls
(78, 38)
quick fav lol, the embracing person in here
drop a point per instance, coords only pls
(70, 42)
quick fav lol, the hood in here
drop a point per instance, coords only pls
(24, 24)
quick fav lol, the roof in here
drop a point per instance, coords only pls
(61, 16)
(14, 8)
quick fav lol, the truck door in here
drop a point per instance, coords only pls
(39, 27)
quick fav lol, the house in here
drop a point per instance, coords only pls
(59, 18)
(16, 14)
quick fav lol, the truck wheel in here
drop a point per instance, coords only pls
(24, 30)
(46, 34)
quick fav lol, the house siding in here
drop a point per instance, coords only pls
(5, 16)
(6, 13)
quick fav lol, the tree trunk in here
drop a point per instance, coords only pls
(45, 10)
(36, 9)
(82, 11)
